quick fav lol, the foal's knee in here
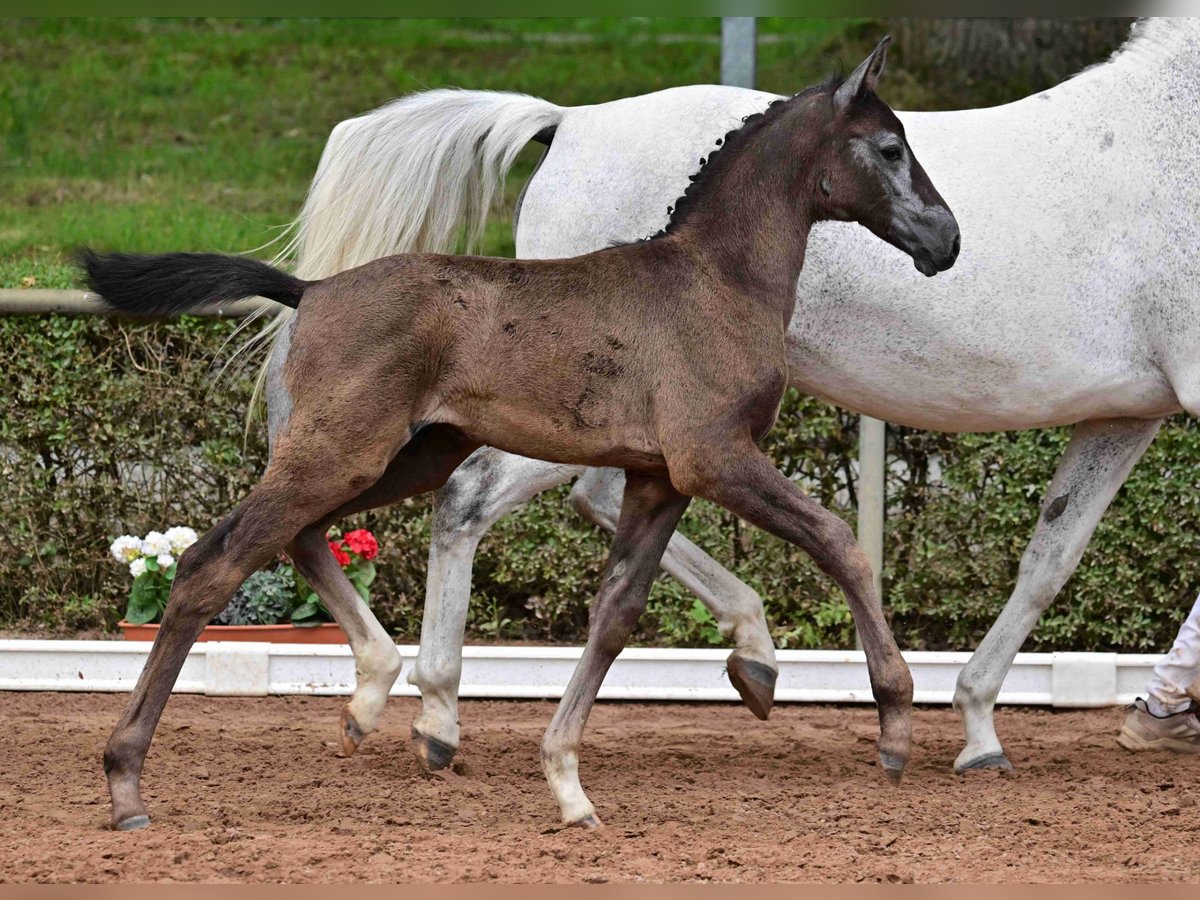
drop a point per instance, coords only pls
(834, 548)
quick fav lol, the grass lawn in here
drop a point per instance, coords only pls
(202, 134)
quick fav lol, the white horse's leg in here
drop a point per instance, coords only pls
(488, 485)
(736, 607)
(1095, 465)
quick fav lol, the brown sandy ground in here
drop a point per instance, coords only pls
(252, 790)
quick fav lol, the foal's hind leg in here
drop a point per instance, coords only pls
(737, 607)
(1092, 470)
(294, 492)
(376, 660)
(650, 511)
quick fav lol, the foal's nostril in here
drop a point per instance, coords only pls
(957, 246)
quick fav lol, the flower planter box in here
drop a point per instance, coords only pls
(325, 633)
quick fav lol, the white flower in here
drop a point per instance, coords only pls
(180, 538)
(155, 543)
(126, 548)
(165, 560)
(137, 568)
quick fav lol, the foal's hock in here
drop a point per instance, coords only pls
(664, 357)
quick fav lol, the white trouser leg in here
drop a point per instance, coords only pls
(1176, 680)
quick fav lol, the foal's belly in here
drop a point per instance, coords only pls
(559, 435)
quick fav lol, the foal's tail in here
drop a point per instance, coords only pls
(173, 283)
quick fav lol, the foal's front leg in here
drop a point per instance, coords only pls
(740, 478)
(736, 606)
(649, 513)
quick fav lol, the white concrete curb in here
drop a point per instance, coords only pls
(826, 676)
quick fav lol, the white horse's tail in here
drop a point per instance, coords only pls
(412, 176)
(417, 175)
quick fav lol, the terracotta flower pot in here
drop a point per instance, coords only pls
(325, 633)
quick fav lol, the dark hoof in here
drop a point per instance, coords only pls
(590, 822)
(893, 767)
(133, 823)
(987, 761)
(755, 683)
(352, 734)
(432, 753)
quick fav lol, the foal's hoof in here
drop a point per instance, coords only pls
(133, 823)
(893, 767)
(590, 822)
(754, 682)
(352, 734)
(432, 753)
(987, 761)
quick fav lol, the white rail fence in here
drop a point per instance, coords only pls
(822, 676)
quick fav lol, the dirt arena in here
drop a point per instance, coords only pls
(245, 789)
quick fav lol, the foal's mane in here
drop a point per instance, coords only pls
(728, 149)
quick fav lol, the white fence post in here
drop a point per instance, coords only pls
(738, 39)
(872, 445)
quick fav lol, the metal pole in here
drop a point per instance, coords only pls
(40, 301)
(872, 440)
(738, 38)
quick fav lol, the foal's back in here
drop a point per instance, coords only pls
(577, 360)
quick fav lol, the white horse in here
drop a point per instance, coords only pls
(1074, 302)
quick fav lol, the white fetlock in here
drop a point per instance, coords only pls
(439, 709)
(983, 749)
(562, 772)
(373, 683)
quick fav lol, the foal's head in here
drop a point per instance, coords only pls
(866, 173)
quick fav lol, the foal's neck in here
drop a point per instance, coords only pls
(751, 218)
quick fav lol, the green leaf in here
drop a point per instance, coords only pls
(144, 602)
(151, 564)
(362, 572)
(306, 611)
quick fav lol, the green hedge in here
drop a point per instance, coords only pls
(113, 427)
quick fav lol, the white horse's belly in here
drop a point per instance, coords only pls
(953, 353)
(899, 391)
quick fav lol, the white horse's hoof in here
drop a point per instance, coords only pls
(133, 823)
(986, 761)
(754, 682)
(433, 754)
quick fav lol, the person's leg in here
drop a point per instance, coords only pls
(1167, 718)
(1176, 682)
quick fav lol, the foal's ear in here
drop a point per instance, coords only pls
(862, 80)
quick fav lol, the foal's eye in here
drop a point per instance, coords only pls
(892, 152)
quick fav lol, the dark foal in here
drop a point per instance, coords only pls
(663, 357)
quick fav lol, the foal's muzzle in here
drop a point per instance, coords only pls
(931, 238)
